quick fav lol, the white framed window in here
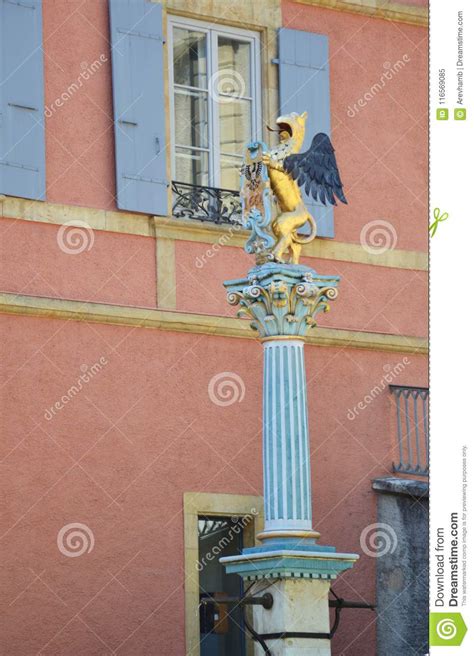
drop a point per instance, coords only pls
(215, 99)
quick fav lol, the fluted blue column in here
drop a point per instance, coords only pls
(282, 300)
(287, 481)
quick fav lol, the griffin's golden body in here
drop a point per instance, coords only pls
(293, 212)
(289, 171)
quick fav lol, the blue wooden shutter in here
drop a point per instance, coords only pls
(139, 105)
(304, 85)
(22, 149)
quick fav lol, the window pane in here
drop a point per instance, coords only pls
(192, 166)
(234, 67)
(230, 172)
(190, 118)
(235, 125)
(189, 56)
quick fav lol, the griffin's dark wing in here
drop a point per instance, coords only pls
(316, 171)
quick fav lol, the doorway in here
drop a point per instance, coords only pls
(222, 631)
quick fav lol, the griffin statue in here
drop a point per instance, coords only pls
(283, 172)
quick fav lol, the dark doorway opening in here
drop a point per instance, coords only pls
(222, 628)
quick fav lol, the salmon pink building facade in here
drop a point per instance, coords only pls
(132, 394)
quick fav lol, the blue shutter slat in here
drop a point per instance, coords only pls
(139, 106)
(22, 143)
(304, 85)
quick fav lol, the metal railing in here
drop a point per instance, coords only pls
(221, 206)
(412, 429)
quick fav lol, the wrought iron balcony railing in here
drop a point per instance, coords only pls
(412, 429)
(220, 206)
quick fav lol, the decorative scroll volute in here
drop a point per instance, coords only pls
(282, 299)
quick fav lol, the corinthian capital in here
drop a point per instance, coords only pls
(282, 299)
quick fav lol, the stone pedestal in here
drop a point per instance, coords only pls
(282, 301)
(300, 605)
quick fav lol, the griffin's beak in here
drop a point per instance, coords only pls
(283, 126)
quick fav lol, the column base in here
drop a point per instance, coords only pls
(301, 536)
